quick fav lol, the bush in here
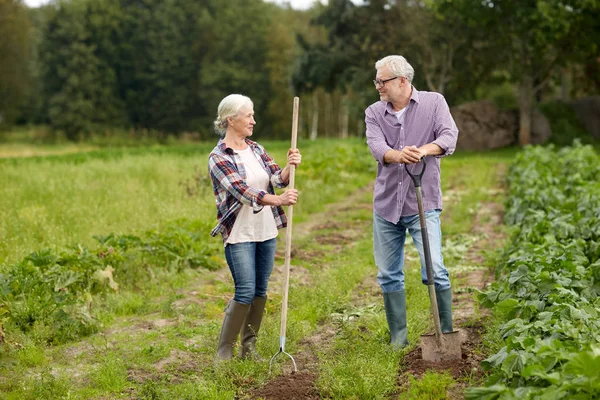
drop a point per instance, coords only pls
(565, 124)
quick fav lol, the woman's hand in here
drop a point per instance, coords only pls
(294, 157)
(289, 197)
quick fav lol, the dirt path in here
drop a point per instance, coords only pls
(473, 275)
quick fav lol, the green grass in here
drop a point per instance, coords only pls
(56, 201)
(160, 321)
(49, 203)
(469, 180)
(431, 386)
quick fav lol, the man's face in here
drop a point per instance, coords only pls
(390, 90)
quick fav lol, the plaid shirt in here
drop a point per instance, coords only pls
(231, 191)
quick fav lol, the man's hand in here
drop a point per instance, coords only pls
(410, 155)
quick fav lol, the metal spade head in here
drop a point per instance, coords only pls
(447, 348)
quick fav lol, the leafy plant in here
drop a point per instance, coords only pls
(548, 295)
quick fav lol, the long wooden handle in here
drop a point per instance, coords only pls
(288, 231)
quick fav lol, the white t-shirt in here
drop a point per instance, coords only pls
(250, 227)
(400, 115)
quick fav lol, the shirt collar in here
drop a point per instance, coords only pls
(414, 96)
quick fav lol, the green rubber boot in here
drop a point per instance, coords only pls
(251, 327)
(444, 300)
(235, 315)
(395, 312)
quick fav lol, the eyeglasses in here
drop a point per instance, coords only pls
(379, 82)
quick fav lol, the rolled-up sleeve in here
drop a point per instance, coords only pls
(375, 137)
(445, 129)
(223, 171)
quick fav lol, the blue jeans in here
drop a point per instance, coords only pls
(389, 238)
(251, 264)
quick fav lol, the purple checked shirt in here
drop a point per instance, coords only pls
(427, 119)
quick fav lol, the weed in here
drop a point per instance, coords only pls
(431, 386)
(111, 374)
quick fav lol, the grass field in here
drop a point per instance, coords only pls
(156, 336)
(52, 201)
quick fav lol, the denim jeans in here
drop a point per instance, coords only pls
(251, 264)
(389, 238)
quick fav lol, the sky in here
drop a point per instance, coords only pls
(297, 4)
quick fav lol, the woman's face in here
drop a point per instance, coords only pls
(243, 123)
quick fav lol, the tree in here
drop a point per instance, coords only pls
(157, 71)
(79, 83)
(15, 38)
(233, 52)
(533, 38)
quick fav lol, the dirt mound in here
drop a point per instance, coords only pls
(467, 367)
(299, 386)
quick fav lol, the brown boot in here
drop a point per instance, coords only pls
(251, 327)
(235, 314)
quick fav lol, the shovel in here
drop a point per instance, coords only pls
(288, 249)
(438, 346)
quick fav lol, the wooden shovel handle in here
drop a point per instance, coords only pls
(288, 231)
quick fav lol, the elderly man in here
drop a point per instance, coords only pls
(403, 127)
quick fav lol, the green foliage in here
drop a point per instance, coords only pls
(101, 67)
(111, 375)
(431, 386)
(566, 126)
(548, 296)
(354, 362)
(81, 87)
(162, 66)
(32, 356)
(156, 65)
(54, 294)
(57, 289)
(15, 30)
(235, 63)
(44, 386)
(501, 94)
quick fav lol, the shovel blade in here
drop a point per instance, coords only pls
(447, 350)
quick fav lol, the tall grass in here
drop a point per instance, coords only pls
(55, 201)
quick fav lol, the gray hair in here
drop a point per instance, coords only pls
(398, 65)
(230, 106)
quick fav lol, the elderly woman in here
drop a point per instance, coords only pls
(249, 214)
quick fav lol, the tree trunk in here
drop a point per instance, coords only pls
(565, 84)
(525, 108)
(344, 119)
(360, 128)
(315, 116)
(328, 119)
